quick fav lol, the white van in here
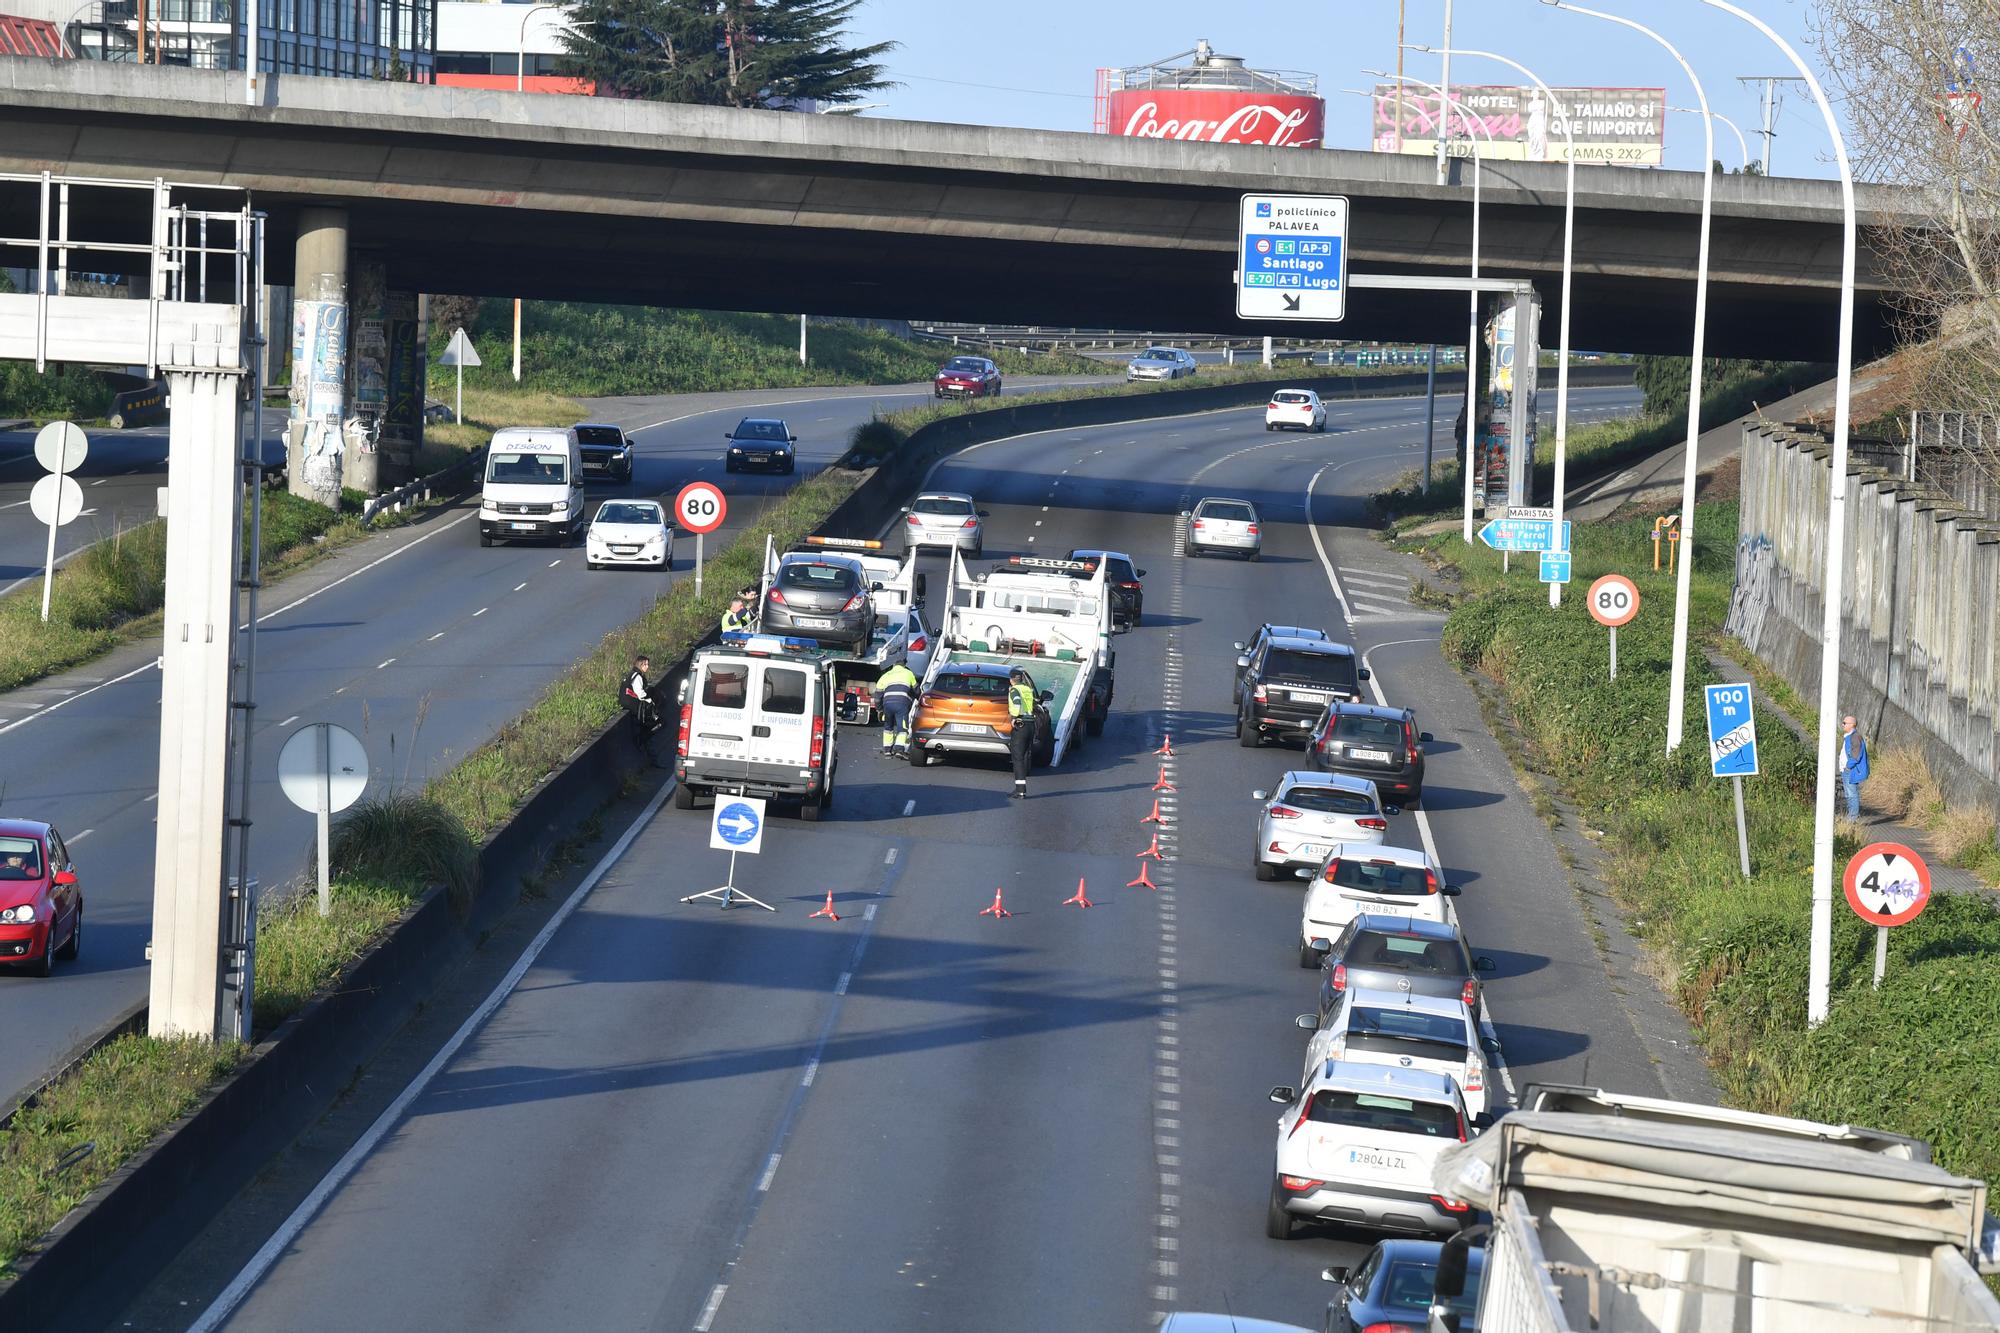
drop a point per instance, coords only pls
(757, 719)
(534, 486)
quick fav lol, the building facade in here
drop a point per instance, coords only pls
(349, 39)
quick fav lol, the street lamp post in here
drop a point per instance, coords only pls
(1742, 144)
(1819, 964)
(1677, 686)
(1569, 300)
(521, 61)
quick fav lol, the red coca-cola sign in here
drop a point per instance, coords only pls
(1235, 115)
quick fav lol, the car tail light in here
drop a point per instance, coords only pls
(777, 598)
(1130, 587)
(970, 524)
(1282, 812)
(1253, 529)
(856, 602)
(1199, 522)
(1430, 881)
(1469, 993)
(687, 721)
(1339, 978)
(919, 643)
(1260, 695)
(818, 741)
(1379, 1327)
(914, 521)
(1410, 741)
(1299, 1184)
(1475, 1075)
(1449, 1205)
(1332, 869)
(1376, 824)
(1276, 406)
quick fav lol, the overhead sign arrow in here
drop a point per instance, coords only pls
(1291, 301)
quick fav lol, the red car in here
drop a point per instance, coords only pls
(41, 904)
(966, 377)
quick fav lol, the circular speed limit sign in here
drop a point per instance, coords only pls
(1887, 884)
(700, 508)
(1613, 600)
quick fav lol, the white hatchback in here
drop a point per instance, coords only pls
(1400, 881)
(1356, 1144)
(1402, 1030)
(1298, 409)
(629, 532)
(1308, 814)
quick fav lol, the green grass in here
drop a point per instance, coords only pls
(300, 952)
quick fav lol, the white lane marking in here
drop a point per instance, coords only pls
(812, 1072)
(100, 481)
(519, 586)
(381, 664)
(435, 637)
(707, 1320)
(63, 703)
(281, 1240)
(770, 1170)
(868, 912)
(1379, 580)
(79, 837)
(288, 721)
(553, 563)
(154, 796)
(909, 808)
(480, 612)
(890, 859)
(840, 987)
(382, 559)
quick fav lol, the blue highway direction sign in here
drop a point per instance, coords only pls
(1524, 534)
(738, 825)
(1291, 254)
(1555, 566)
(1732, 731)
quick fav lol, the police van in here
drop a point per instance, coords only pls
(533, 489)
(757, 719)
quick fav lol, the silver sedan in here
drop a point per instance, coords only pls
(945, 518)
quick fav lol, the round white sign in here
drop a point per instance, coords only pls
(55, 499)
(700, 508)
(61, 446)
(311, 769)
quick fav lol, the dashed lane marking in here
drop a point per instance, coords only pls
(288, 721)
(383, 663)
(909, 808)
(519, 586)
(435, 637)
(480, 612)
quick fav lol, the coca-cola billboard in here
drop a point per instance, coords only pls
(1233, 115)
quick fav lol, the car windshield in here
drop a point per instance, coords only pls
(1328, 801)
(1383, 877)
(1408, 1026)
(599, 435)
(1438, 958)
(1320, 668)
(1227, 512)
(626, 511)
(761, 430)
(543, 469)
(20, 858)
(1121, 570)
(1360, 727)
(972, 684)
(1369, 1110)
(965, 365)
(1157, 354)
(1289, 396)
(825, 578)
(1411, 1284)
(941, 504)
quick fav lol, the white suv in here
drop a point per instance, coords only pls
(1356, 879)
(1295, 407)
(1356, 1146)
(1402, 1030)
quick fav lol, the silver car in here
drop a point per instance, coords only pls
(945, 518)
(1221, 524)
(1160, 363)
(1308, 815)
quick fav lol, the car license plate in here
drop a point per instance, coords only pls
(1308, 696)
(965, 728)
(1309, 849)
(1378, 1160)
(526, 526)
(1377, 756)
(813, 622)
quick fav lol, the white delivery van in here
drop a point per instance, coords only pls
(534, 486)
(757, 719)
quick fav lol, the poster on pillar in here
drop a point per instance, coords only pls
(319, 389)
(1510, 375)
(368, 299)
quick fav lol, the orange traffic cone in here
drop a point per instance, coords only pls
(1166, 745)
(1163, 784)
(1156, 817)
(1153, 850)
(827, 911)
(1144, 881)
(997, 909)
(1077, 899)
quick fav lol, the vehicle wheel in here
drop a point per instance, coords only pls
(1247, 734)
(485, 540)
(1094, 725)
(1265, 871)
(1270, 425)
(1277, 1222)
(791, 466)
(917, 757)
(1412, 798)
(74, 946)
(1320, 429)
(1256, 556)
(1307, 958)
(683, 797)
(46, 964)
(810, 810)
(979, 550)
(588, 563)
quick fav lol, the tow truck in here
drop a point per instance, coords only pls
(901, 635)
(757, 719)
(1050, 617)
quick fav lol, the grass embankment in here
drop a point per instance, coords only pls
(1598, 448)
(1922, 1055)
(601, 350)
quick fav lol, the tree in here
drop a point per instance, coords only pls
(743, 53)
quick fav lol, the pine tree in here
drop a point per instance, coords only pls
(746, 53)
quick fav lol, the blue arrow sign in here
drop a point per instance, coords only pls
(1555, 566)
(1732, 731)
(738, 824)
(1524, 534)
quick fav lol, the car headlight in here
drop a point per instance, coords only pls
(657, 539)
(735, 448)
(21, 915)
(559, 507)
(488, 507)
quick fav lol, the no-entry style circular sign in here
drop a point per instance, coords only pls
(1613, 600)
(61, 446)
(321, 762)
(1887, 884)
(700, 508)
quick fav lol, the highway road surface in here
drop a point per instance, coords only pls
(920, 1117)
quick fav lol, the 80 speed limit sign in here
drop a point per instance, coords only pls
(1613, 600)
(700, 508)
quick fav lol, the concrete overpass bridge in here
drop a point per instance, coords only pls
(506, 194)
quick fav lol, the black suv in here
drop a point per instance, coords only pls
(606, 452)
(1373, 742)
(1128, 595)
(1286, 683)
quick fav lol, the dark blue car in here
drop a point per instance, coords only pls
(1392, 1289)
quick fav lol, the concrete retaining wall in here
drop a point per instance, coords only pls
(1920, 640)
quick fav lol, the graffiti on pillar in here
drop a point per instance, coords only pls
(1750, 600)
(319, 388)
(1495, 436)
(403, 411)
(371, 348)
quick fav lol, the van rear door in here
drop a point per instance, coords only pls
(719, 731)
(783, 699)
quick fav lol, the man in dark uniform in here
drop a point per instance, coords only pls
(636, 698)
(1021, 740)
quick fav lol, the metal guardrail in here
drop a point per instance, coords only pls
(421, 489)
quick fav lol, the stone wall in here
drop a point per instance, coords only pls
(1920, 642)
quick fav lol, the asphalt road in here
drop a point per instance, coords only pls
(921, 1117)
(419, 642)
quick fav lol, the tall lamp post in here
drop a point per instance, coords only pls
(1677, 687)
(1569, 297)
(1819, 966)
(1742, 144)
(1447, 103)
(521, 85)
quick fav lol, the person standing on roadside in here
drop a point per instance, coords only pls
(636, 698)
(1853, 766)
(895, 690)
(1021, 740)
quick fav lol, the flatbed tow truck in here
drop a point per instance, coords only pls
(900, 634)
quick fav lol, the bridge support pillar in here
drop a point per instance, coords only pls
(314, 441)
(204, 526)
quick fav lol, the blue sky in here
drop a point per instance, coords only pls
(1033, 62)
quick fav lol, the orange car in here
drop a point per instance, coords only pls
(966, 709)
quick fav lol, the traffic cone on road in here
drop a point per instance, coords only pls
(1156, 817)
(1153, 850)
(998, 909)
(1166, 745)
(827, 911)
(1077, 899)
(1144, 881)
(1163, 784)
